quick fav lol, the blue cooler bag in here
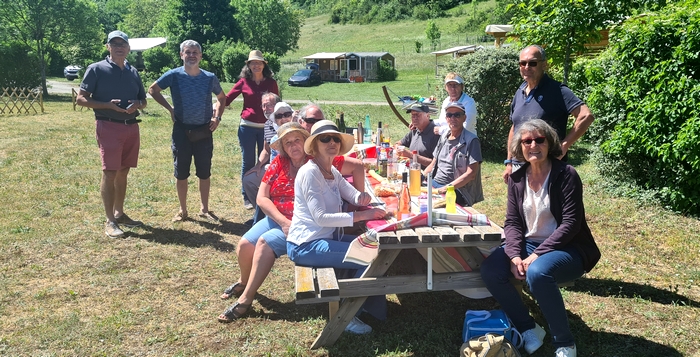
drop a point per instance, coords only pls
(480, 322)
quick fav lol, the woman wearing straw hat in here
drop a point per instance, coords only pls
(255, 79)
(266, 241)
(316, 236)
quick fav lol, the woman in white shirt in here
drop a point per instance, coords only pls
(316, 237)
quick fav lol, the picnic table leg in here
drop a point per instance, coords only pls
(350, 306)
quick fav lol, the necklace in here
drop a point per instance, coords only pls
(325, 172)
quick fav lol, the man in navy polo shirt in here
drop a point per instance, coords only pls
(541, 97)
(113, 89)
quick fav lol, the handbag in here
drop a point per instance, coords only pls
(489, 345)
(198, 134)
(480, 322)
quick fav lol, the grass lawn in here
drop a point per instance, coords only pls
(68, 290)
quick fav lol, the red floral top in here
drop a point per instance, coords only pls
(282, 186)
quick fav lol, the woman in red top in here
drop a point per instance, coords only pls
(267, 240)
(255, 80)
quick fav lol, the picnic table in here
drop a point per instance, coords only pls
(437, 243)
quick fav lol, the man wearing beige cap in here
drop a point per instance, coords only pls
(454, 85)
(114, 90)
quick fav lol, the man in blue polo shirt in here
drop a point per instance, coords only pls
(194, 121)
(540, 97)
(114, 90)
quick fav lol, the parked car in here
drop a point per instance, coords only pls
(71, 72)
(305, 77)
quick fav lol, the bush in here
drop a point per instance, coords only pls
(18, 67)
(158, 60)
(647, 90)
(214, 53)
(491, 77)
(385, 71)
(233, 59)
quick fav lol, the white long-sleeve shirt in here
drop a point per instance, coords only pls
(318, 204)
(469, 111)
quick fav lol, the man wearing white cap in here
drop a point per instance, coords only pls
(454, 85)
(457, 159)
(114, 90)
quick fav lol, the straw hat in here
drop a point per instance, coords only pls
(255, 55)
(328, 127)
(286, 129)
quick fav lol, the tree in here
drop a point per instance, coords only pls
(563, 27)
(269, 25)
(135, 23)
(432, 32)
(43, 24)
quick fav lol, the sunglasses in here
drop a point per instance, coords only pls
(327, 139)
(311, 120)
(528, 63)
(539, 140)
(453, 115)
(283, 115)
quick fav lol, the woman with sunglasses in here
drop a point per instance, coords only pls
(316, 237)
(266, 241)
(540, 96)
(254, 80)
(547, 239)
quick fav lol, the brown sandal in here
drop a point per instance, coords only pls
(236, 290)
(231, 314)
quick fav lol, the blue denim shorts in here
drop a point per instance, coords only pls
(269, 230)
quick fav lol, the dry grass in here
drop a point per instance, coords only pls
(68, 290)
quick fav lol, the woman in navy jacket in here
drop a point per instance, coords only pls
(547, 240)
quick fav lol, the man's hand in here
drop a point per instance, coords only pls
(213, 124)
(115, 106)
(134, 105)
(403, 152)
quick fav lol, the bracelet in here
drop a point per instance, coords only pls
(506, 162)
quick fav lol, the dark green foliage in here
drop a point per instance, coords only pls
(490, 77)
(385, 72)
(158, 60)
(271, 26)
(369, 11)
(273, 61)
(18, 68)
(214, 52)
(419, 45)
(647, 91)
(233, 59)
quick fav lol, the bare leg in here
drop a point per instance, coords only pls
(204, 193)
(245, 252)
(120, 191)
(182, 195)
(263, 260)
(107, 191)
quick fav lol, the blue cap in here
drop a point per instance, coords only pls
(119, 34)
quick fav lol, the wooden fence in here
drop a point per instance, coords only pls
(21, 101)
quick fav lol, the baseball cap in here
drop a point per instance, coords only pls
(119, 34)
(457, 105)
(418, 107)
(456, 79)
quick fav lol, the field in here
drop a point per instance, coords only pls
(68, 290)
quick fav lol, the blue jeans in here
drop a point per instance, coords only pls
(269, 230)
(542, 277)
(250, 137)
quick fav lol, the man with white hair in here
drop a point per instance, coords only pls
(194, 121)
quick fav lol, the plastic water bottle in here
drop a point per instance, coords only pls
(450, 200)
(368, 131)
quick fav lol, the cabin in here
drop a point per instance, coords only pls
(138, 45)
(349, 66)
(454, 52)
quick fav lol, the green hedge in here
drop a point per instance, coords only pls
(646, 95)
(18, 67)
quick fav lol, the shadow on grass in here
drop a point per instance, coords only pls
(185, 238)
(623, 289)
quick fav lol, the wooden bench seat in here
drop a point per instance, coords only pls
(317, 285)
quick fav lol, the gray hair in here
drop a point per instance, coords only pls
(190, 43)
(540, 50)
(306, 108)
(541, 127)
(274, 96)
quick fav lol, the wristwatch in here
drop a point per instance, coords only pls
(217, 118)
(506, 162)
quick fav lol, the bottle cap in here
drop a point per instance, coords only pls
(404, 176)
(450, 188)
(414, 152)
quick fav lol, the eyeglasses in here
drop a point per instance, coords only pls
(453, 115)
(118, 44)
(528, 63)
(312, 120)
(538, 141)
(283, 115)
(327, 139)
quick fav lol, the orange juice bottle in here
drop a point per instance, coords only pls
(414, 173)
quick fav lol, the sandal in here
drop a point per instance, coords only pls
(180, 216)
(233, 290)
(231, 314)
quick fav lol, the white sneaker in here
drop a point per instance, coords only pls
(532, 339)
(358, 327)
(566, 351)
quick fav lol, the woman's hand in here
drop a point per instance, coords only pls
(370, 214)
(364, 199)
(285, 226)
(529, 260)
(517, 268)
